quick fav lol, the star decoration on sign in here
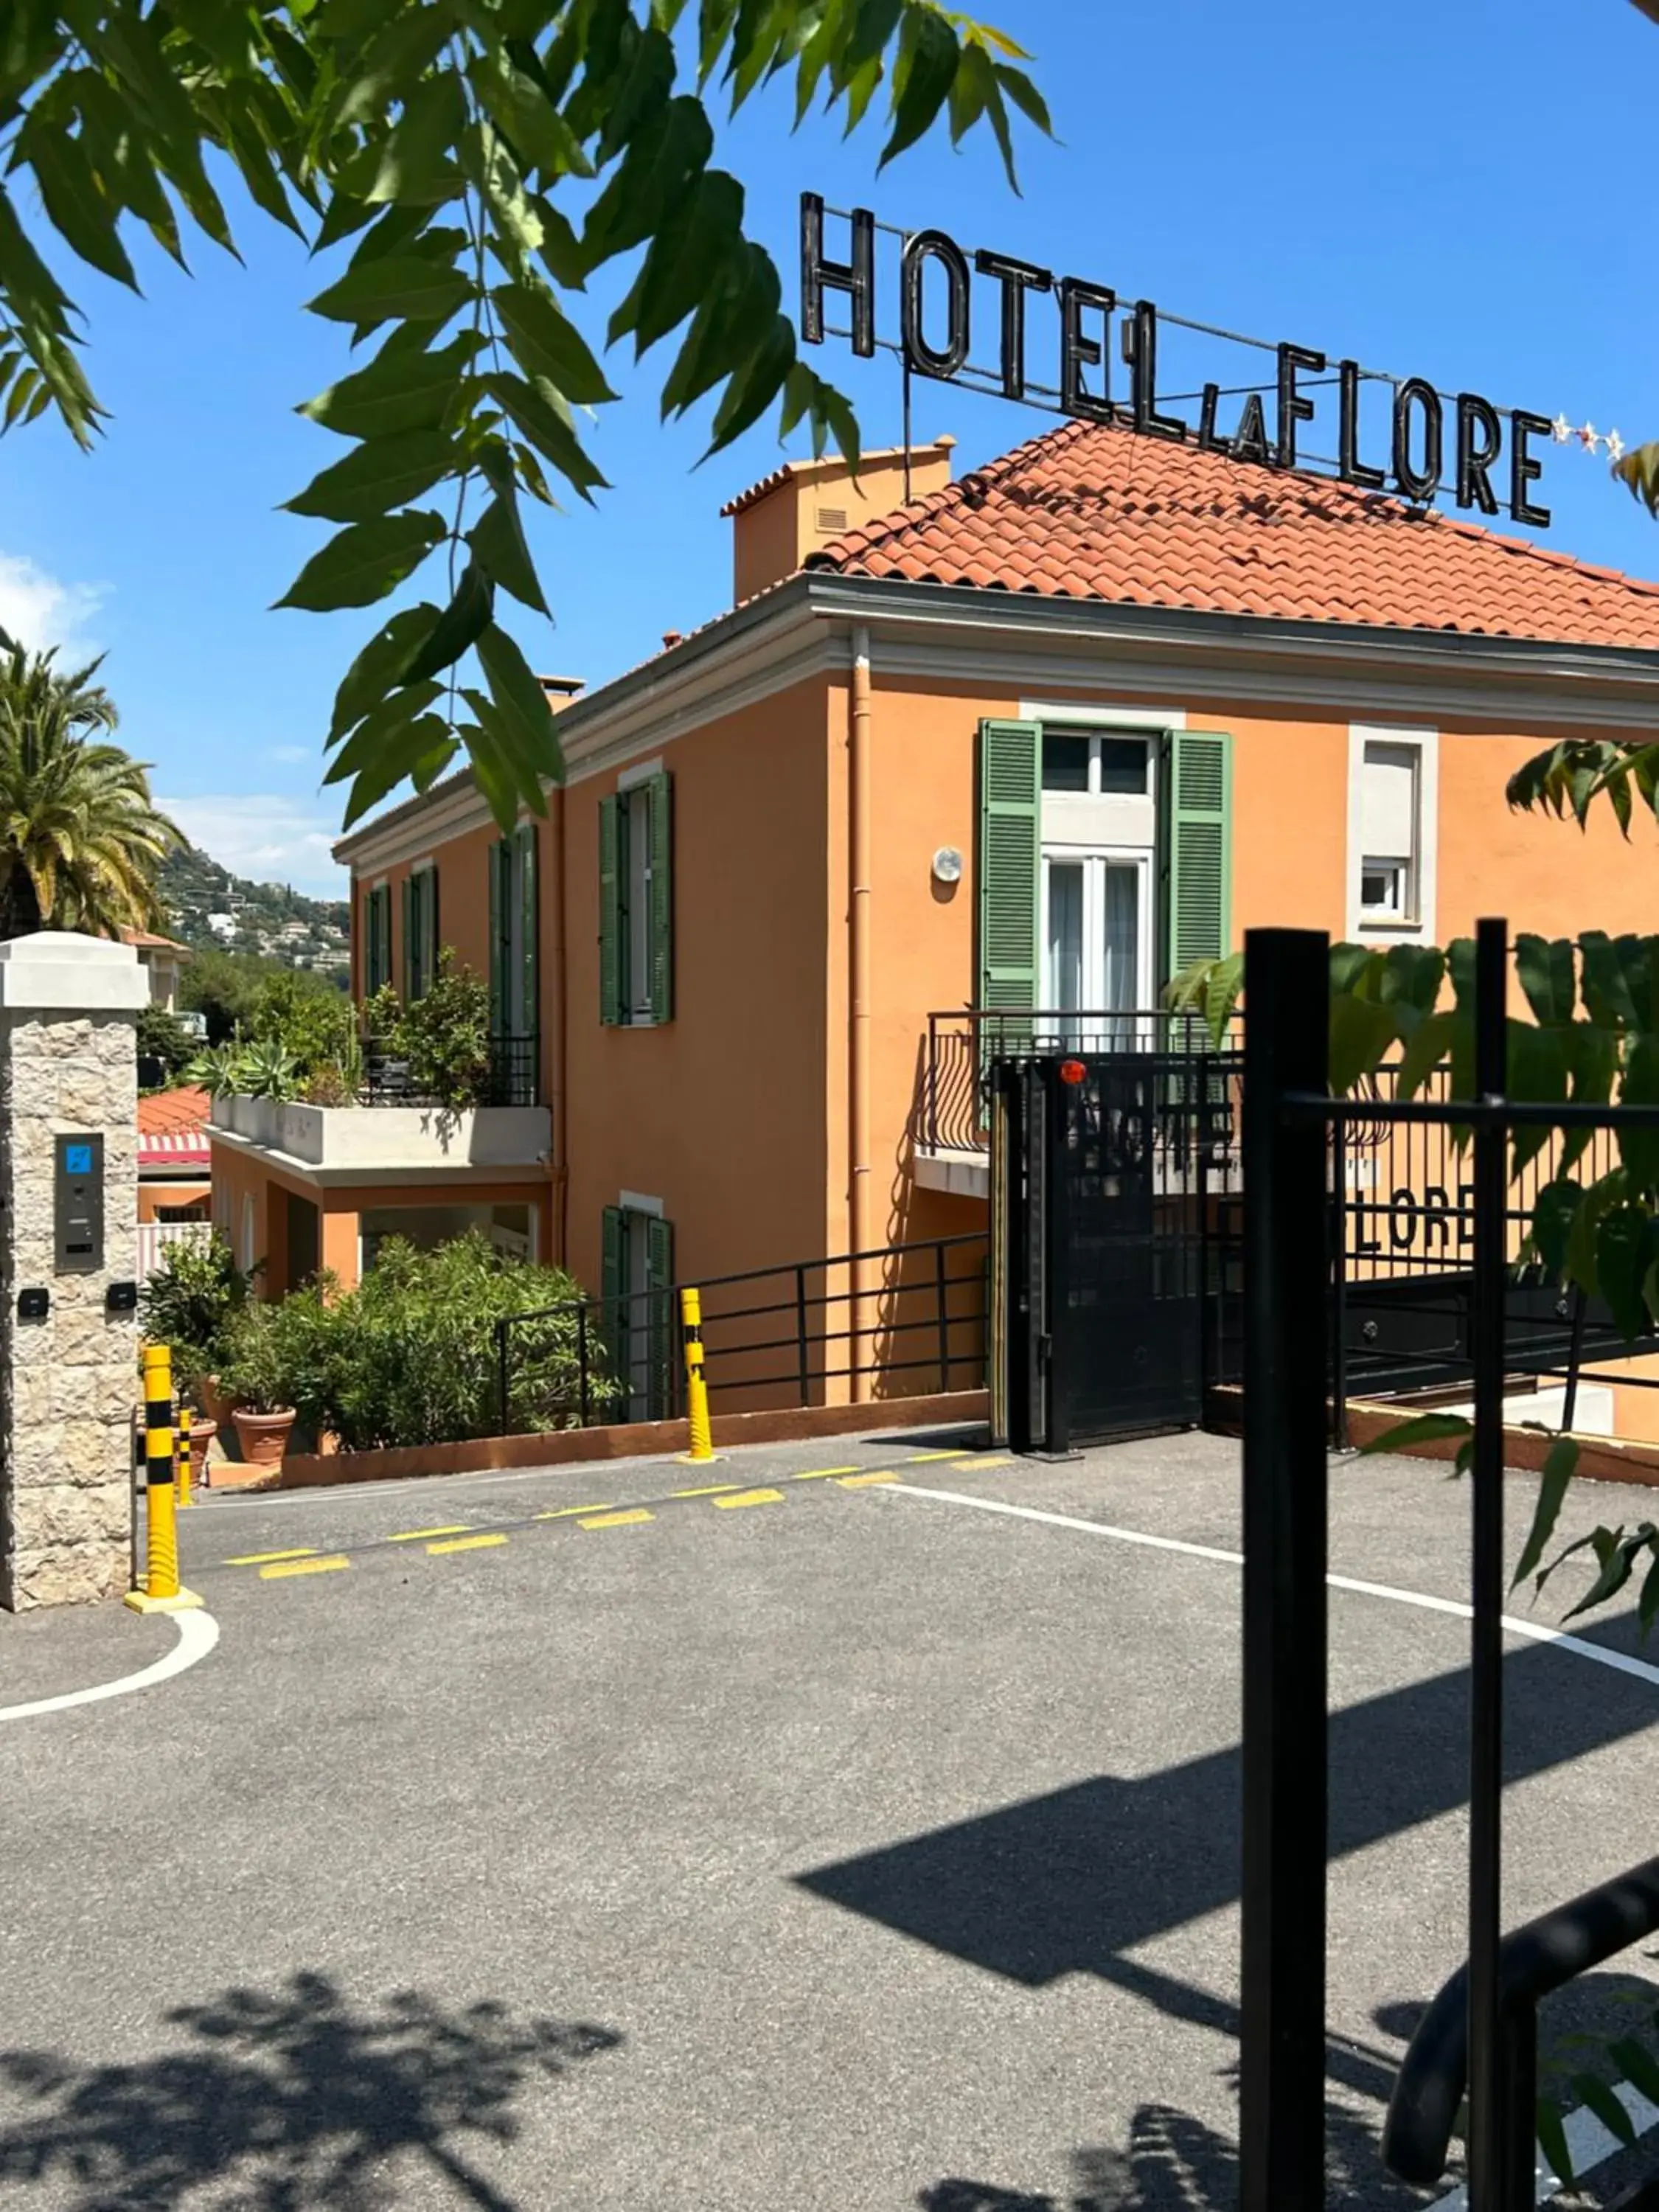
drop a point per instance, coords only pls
(1615, 446)
(1587, 439)
(1561, 429)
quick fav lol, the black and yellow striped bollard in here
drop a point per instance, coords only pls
(701, 1436)
(162, 1591)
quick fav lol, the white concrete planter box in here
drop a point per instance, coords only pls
(360, 1141)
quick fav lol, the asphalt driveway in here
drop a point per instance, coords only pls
(815, 1841)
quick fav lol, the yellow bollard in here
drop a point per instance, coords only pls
(162, 1592)
(184, 1457)
(696, 1390)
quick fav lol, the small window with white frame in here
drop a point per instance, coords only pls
(1391, 832)
(1094, 763)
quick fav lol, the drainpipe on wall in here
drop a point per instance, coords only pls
(858, 1039)
(557, 996)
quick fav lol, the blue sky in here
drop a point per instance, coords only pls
(1454, 188)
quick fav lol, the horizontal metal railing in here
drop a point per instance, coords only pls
(914, 1314)
(954, 1108)
(512, 1077)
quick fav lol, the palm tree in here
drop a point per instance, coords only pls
(81, 840)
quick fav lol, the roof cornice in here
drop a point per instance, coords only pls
(1003, 639)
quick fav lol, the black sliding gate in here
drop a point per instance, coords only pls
(1115, 1253)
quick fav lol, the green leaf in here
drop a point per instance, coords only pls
(1639, 1148)
(1609, 1190)
(1545, 971)
(1648, 1603)
(382, 725)
(1617, 1554)
(1606, 2106)
(1606, 995)
(414, 164)
(1553, 1212)
(532, 410)
(1361, 1032)
(1553, 2141)
(459, 627)
(1025, 97)
(726, 330)
(1559, 1463)
(490, 768)
(522, 704)
(381, 474)
(526, 118)
(1429, 1044)
(1638, 2065)
(393, 64)
(546, 343)
(653, 176)
(1623, 1243)
(382, 663)
(416, 744)
(929, 59)
(1593, 1057)
(684, 262)
(404, 285)
(497, 540)
(76, 205)
(401, 389)
(1421, 1429)
(1537, 1076)
(364, 561)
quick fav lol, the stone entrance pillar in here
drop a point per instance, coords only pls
(69, 1008)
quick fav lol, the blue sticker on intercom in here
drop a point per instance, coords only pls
(78, 1159)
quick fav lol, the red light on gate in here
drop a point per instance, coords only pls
(1071, 1071)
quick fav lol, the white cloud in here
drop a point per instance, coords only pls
(271, 838)
(38, 609)
(291, 756)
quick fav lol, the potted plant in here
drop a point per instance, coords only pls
(190, 1303)
(256, 1376)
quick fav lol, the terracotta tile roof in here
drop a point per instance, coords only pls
(173, 1113)
(1094, 511)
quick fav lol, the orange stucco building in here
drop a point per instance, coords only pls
(1036, 737)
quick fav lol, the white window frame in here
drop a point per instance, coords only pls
(1094, 860)
(1365, 923)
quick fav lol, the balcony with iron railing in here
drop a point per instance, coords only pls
(402, 1123)
(952, 1119)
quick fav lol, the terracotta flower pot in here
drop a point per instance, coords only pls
(264, 1437)
(215, 1406)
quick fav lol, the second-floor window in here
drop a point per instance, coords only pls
(513, 934)
(377, 939)
(636, 904)
(419, 931)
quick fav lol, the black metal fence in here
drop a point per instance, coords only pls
(904, 1320)
(1289, 1227)
(954, 1112)
(513, 1077)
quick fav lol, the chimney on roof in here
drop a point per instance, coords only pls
(560, 691)
(671, 638)
(803, 505)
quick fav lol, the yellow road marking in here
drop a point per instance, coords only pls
(305, 1566)
(261, 1559)
(467, 1544)
(708, 1490)
(564, 1512)
(818, 1473)
(971, 1466)
(413, 1536)
(917, 1458)
(618, 1520)
(753, 1498)
(863, 1481)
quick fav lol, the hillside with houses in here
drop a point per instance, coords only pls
(208, 906)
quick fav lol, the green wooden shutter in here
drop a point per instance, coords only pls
(498, 914)
(529, 931)
(661, 788)
(610, 985)
(429, 963)
(659, 1318)
(1198, 842)
(409, 937)
(1010, 862)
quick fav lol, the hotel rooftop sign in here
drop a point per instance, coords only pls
(1490, 449)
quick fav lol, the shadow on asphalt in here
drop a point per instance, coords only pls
(296, 2098)
(1068, 1882)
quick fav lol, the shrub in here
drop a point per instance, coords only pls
(445, 1036)
(408, 1358)
(191, 1302)
(278, 1353)
(307, 1017)
(162, 1036)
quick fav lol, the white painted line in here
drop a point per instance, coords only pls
(198, 1634)
(1621, 1661)
(1590, 2141)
